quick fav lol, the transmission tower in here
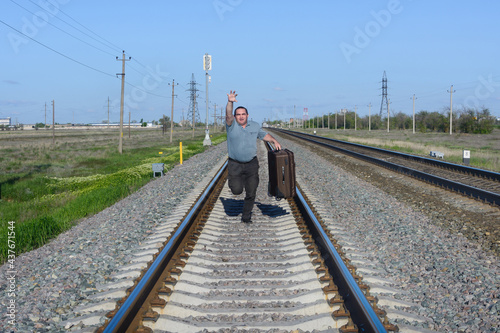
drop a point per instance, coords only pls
(193, 105)
(384, 95)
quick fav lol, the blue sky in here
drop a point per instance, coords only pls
(320, 55)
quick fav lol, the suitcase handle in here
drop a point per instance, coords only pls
(273, 148)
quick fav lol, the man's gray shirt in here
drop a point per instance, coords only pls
(242, 142)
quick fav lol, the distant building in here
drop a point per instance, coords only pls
(5, 121)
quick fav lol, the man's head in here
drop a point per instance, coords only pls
(241, 115)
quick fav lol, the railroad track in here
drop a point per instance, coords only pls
(282, 272)
(479, 184)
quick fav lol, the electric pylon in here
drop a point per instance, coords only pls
(193, 113)
(384, 96)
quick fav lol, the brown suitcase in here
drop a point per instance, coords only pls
(281, 173)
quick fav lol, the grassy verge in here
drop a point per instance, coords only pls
(41, 203)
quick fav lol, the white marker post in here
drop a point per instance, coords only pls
(207, 65)
(466, 156)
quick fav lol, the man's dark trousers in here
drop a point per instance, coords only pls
(244, 176)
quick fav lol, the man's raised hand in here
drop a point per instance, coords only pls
(231, 97)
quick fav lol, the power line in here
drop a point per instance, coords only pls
(59, 10)
(136, 70)
(144, 66)
(61, 54)
(180, 100)
(81, 40)
(114, 48)
(144, 91)
(147, 68)
(462, 85)
(80, 63)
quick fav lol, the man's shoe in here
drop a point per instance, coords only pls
(246, 221)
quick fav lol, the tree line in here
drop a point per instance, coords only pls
(465, 120)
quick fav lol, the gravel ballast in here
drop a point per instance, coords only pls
(452, 279)
(55, 279)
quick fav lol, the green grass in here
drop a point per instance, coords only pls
(51, 198)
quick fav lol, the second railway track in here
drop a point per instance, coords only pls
(480, 184)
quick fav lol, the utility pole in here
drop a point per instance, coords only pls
(172, 113)
(355, 111)
(222, 117)
(163, 126)
(336, 114)
(215, 117)
(45, 123)
(414, 98)
(370, 116)
(129, 124)
(344, 111)
(207, 65)
(451, 91)
(108, 111)
(120, 144)
(388, 114)
(53, 122)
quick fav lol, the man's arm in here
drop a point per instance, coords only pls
(231, 97)
(269, 138)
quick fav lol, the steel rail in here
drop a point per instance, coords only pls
(360, 309)
(487, 196)
(125, 315)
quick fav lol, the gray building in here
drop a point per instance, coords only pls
(5, 121)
